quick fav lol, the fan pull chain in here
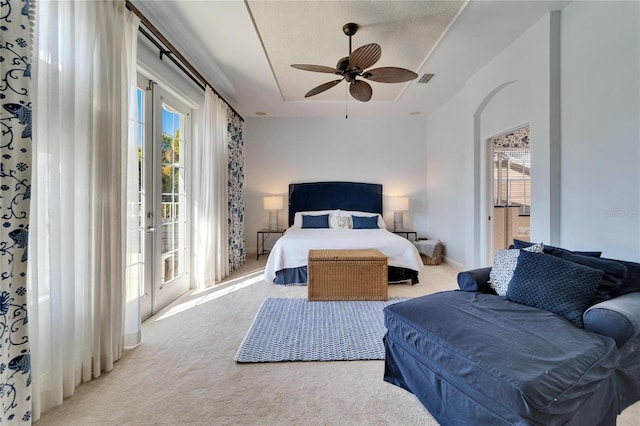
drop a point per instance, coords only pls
(346, 102)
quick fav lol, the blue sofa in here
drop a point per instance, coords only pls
(475, 358)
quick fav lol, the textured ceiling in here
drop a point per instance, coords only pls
(310, 32)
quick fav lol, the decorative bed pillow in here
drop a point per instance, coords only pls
(342, 222)
(297, 218)
(361, 222)
(553, 284)
(504, 264)
(315, 221)
(350, 213)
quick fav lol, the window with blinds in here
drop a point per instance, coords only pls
(512, 179)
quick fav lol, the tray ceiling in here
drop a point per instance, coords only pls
(310, 32)
(245, 48)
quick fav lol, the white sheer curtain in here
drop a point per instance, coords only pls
(211, 205)
(84, 77)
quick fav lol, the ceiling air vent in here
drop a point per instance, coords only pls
(425, 78)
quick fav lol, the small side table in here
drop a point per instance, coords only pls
(260, 237)
(406, 233)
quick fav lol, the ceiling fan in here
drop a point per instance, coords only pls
(355, 65)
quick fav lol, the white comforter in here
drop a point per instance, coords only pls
(291, 250)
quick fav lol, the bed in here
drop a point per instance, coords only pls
(344, 203)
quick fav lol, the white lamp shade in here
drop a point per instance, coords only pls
(273, 203)
(399, 204)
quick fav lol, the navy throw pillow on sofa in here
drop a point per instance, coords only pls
(553, 284)
(613, 273)
(315, 221)
(631, 282)
(519, 244)
(364, 222)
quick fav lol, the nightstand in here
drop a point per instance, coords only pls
(260, 237)
(406, 233)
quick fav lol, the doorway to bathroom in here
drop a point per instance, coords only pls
(511, 187)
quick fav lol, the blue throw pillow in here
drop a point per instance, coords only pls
(363, 222)
(315, 221)
(613, 273)
(475, 280)
(631, 282)
(519, 244)
(553, 284)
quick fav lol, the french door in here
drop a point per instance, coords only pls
(164, 132)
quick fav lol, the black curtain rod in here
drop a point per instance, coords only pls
(173, 54)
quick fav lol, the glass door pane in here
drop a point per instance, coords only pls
(172, 272)
(174, 199)
(143, 125)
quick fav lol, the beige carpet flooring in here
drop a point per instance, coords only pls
(184, 373)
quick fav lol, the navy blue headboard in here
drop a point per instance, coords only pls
(364, 197)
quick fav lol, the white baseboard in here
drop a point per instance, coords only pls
(454, 264)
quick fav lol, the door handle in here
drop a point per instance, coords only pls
(150, 229)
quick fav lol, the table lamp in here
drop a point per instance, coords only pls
(273, 204)
(398, 205)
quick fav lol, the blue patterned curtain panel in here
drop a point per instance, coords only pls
(237, 254)
(15, 194)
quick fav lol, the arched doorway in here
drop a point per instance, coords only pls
(482, 251)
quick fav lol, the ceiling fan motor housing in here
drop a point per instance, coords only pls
(343, 64)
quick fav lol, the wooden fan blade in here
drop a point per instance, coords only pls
(315, 68)
(321, 88)
(390, 75)
(360, 90)
(365, 56)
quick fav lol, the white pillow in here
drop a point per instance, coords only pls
(381, 223)
(342, 222)
(297, 218)
(504, 263)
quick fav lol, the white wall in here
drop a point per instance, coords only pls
(601, 127)
(506, 93)
(577, 92)
(447, 163)
(280, 151)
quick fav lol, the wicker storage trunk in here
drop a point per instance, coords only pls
(347, 275)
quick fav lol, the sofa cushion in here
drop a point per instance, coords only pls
(553, 284)
(519, 244)
(504, 263)
(613, 273)
(526, 365)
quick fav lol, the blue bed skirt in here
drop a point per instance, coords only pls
(298, 276)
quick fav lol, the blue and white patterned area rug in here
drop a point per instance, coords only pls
(287, 329)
